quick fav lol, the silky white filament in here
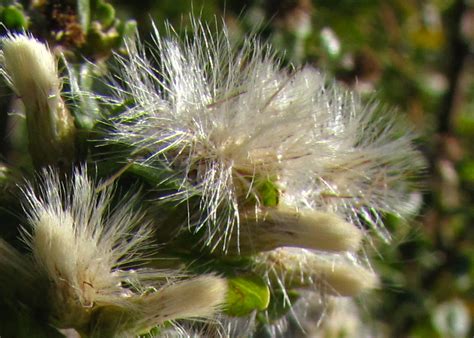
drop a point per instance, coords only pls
(226, 117)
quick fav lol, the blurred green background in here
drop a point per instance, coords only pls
(414, 56)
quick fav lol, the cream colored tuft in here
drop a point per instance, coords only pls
(84, 248)
(198, 297)
(270, 228)
(332, 274)
(31, 69)
(195, 298)
(80, 246)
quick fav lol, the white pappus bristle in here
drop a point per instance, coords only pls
(83, 250)
(227, 117)
(78, 243)
(333, 274)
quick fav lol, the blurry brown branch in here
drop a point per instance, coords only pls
(457, 54)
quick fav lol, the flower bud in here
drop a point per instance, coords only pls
(199, 297)
(274, 227)
(329, 273)
(194, 298)
(31, 71)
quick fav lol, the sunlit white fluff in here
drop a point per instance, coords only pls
(30, 69)
(223, 327)
(226, 117)
(83, 248)
(343, 318)
(319, 317)
(78, 246)
(317, 279)
(327, 274)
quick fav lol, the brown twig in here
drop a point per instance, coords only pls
(457, 54)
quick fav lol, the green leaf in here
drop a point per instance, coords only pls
(84, 107)
(14, 18)
(246, 294)
(154, 175)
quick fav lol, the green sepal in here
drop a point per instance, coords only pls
(154, 332)
(127, 29)
(155, 176)
(267, 191)
(245, 295)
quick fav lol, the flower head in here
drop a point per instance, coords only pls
(80, 246)
(87, 264)
(232, 123)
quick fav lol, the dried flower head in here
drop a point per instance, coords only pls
(244, 134)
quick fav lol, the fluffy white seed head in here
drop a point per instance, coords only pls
(80, 243)
(227, 118)
(84, 247)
